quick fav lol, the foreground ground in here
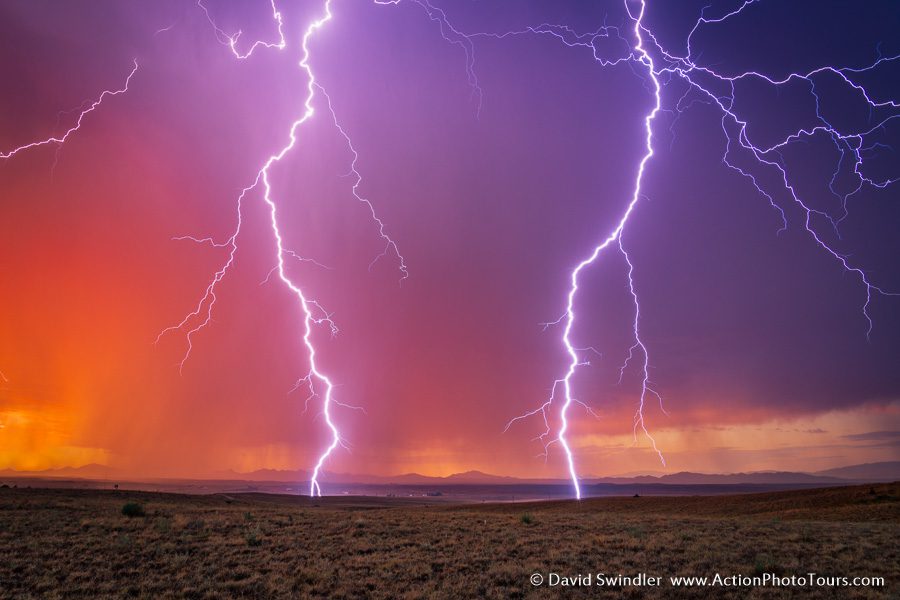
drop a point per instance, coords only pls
(79, 544)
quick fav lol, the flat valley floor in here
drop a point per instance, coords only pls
(63, 543)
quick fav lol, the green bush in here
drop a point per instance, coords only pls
(527, 519)
(133, 509)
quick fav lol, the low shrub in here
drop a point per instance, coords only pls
(253, 538)
(133, 509)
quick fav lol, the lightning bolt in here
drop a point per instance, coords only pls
(390, 246)
(59, 140)
(635, 54)
(453, 36)
(319, 384)
(658, 68)
(735, 131)
(232, 39)
(614, 237)
(632, 54)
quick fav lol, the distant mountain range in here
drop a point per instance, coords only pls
(688, 478)
(865, 473)
(91, 471)
(886, 471)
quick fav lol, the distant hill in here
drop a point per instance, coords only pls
(91, 471)
(479, 477)
(688, 478)
(871, 472)
(879, 471)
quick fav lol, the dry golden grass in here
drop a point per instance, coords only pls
(78, 544)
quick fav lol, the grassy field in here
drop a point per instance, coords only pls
(79, 544)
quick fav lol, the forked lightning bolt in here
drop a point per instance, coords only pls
(318, 383)
(390, 246)
(659, 68)
(614, 237)
(636, 54)
(633, 54)
(232, 40)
